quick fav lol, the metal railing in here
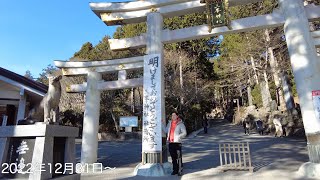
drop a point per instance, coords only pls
(235, 156)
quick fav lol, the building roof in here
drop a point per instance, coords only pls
(23, 80)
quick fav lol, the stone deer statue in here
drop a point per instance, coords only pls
(49, 103)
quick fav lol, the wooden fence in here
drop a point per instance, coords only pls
(235, 156)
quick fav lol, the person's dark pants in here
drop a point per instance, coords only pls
(246, 130)
(176, 156)
(260, 130)
(205, 129)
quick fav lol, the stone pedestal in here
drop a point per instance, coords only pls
(310, 170)
(38, 151)
(153, 169)
(314, 147)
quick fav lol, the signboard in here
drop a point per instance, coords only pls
(128, 121)
(151, 132)
(316, 103)
(217, 13)
(19, 158)
(217, 9)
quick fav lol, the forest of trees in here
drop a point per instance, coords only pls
(200, 75)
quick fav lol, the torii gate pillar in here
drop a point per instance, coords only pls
(154, 156)
(306, 69)
(89, 148)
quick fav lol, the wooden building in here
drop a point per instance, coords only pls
(18, 95)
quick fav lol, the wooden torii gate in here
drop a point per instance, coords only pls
(292, 14)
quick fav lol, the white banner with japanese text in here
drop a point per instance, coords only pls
(151, 132)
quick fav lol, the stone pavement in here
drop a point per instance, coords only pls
(272, 157)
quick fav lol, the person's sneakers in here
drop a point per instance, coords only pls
(180, 174)
(174, 173)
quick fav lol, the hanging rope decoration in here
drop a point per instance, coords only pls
(217, 13)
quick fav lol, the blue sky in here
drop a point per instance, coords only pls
(33, 33)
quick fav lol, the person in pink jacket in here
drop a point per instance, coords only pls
(176, 130)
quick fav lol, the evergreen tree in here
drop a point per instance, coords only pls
(28, 75)
(50, 69)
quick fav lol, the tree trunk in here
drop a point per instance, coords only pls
(140, 97)
(249, 95)
(240, 92)
(249, 91)
(132, 100)
(264, 88)
(223, 98)
(196, 88)
(277, 79)
(275, 72)
(115, 122)
(287, 92)
(216, 94)
(267, 89)
(181, 83)
(265, 94)
(254, 70)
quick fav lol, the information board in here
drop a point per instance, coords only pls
(128, 121)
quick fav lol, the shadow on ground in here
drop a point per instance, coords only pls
(201, 153)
